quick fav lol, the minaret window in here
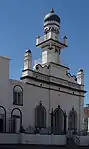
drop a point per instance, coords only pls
(40, 116)
(18, 95)
(72, 120)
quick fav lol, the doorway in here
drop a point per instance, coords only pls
(1, 124)
(15, 124)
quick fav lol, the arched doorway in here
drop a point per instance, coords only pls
(72, 120)
(40, 116)
(58, 120)
(2, 119)
(16, 120)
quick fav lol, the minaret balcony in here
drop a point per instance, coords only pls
(47, 39)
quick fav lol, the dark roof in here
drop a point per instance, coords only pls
(51, 16)
(81, 70)
(28, 51)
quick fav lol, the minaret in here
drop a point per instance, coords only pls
(80, 77)
(28, 60)
(50, 44)
(27, 64)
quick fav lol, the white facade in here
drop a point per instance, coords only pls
(49, 84)
(60, 91)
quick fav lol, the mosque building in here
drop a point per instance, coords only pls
(47, 104)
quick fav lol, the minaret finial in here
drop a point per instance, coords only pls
(52, 10)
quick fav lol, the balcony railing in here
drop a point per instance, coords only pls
(39, 39)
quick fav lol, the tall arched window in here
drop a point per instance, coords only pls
(16, 120)
(2, 119)
(58, 120)
(40, 116)
(72, 119)
(18, 95)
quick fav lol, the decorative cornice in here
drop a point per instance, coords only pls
(54, 89)
(52, 83)
(51, 75)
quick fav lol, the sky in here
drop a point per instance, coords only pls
(22, 20)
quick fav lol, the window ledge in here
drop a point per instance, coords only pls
(17, 104)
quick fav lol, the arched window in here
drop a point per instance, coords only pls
(18, 95)
(2, 119)
(58, 120)
(40, 116)
(72, 119)
(16, 120)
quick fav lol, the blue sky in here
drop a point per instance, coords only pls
(22, 20)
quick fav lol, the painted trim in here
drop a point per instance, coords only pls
(53, 89)
(52, 83)
(17, 104)
(16, 116)
(20, 114)
(19, 86)
(54, 31)
(58, 109)
(51, 24)
(47, 45)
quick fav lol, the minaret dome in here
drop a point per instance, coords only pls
(52, 24)
(51, 16)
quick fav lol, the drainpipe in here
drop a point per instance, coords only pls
(49, 100)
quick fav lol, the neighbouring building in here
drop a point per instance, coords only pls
(86, 117)
(47, 104)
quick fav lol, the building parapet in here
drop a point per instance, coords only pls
(51, 79)
(8, 138)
